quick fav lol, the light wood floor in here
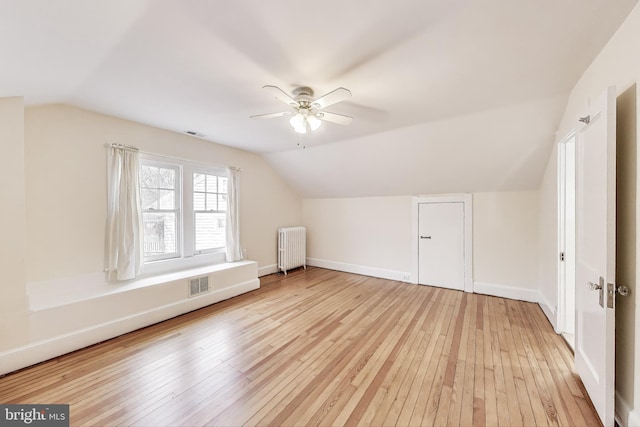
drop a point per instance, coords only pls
(324, 348)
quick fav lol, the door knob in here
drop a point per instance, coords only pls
(425, 237)
(622, 290)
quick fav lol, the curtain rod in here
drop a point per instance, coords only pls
(132, 148)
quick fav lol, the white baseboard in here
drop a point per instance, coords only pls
(401, 276)
(548, 311)
(504, 291)
(267, 269)
(33, 353)
(625, 415)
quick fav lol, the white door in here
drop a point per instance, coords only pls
(441, 245)
(595, 254)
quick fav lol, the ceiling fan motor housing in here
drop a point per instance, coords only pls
(303, 93)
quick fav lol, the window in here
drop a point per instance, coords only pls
(160, 194)
(184, 213)
(210, 210)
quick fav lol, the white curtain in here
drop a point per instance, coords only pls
(234, 251)
(123, 243)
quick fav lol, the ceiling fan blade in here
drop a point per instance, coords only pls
(334, 118)
(281, 95)
(271, 115)
(332, 97)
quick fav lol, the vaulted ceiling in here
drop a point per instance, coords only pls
(448, 95)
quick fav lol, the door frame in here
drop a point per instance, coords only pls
(563, 287)
(467, 200)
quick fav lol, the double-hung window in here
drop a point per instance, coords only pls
(210, 211)
(160, 194)
(184, 207)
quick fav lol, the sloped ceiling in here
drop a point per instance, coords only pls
(448, 95)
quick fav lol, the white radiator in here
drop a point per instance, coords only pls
(292, 248)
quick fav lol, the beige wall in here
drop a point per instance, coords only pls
(368, 231)
(548, 238)
(13, 295)
(375, 232)
(617, 64)
(66, 188)
(505, 238)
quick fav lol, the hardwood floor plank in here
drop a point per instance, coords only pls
(437, 371)
(320, 347)
(479, 416)
(377, 376)
(468, 356)
(427, 403)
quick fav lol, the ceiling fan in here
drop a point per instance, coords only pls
(307, 113)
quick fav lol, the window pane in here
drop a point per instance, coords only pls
(167, 199)
(198, 182)
(223, 184)
(212, 186)
(167, 178)
(209, 230)
(149, 176)
(149, 199)
(222, 202)
(212, 202)
(198, 202)
(159, 233)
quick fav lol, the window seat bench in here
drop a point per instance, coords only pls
(68, 314)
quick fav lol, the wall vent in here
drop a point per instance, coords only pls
(198, 285)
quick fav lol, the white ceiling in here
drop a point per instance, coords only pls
(448, 95)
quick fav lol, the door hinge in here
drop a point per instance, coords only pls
(562, 256)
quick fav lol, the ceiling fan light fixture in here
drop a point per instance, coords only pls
(302, 121)
(298, 122)
(314, 122)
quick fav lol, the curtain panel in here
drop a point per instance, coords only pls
(123, 240)
(233, 249)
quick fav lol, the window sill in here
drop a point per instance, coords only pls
(167, 266)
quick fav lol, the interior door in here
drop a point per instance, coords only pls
(441, 244)
(595, 254)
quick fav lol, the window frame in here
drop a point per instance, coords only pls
(187, 256)
(210, 172)
(177, 210)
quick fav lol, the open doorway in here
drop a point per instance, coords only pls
(567, 237)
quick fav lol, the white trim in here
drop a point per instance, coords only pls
(624, 414)
(400, 276)
(548, 311)
(505, 291)
(467, 199)
(31, 354)
(267, 269)
(560, 324)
